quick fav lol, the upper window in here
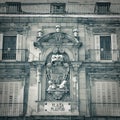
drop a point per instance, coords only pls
(57, 8)
(106, 47)
(9, 48)
(12, 47)
(13, 7)
(102, 7)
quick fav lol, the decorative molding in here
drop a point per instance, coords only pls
(103, 30)
(18, 27)
(104, 76)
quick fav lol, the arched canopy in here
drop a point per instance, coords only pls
(57, 38)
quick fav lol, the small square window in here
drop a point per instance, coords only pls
(57, 8)
(13, 7)
(102, 7)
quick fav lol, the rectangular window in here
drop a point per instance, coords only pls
(57, 8)
(105, 48)
(9, 48)
(102, 7)
(13, 7)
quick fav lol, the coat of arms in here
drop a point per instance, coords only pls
(57, 77)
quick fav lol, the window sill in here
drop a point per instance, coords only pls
(8, 60)
(107, 61)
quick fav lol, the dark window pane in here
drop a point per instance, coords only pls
(102, 7)
(13, 7)
(105, 47)
(9, 47)
(57, 8)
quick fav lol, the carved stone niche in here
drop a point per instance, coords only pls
(58, 50)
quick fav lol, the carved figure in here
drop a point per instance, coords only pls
(63, 84)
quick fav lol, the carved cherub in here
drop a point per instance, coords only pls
(63, 84)
(51, 85)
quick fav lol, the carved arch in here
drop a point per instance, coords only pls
(58, 36)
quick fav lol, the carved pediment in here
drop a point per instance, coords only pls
(57, 38)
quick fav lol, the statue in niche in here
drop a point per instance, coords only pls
(57, 77)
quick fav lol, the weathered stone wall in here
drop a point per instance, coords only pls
(83, 6)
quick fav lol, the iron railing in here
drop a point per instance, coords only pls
(105, 109)
(11, 109)
(93, 55)
(14, 54)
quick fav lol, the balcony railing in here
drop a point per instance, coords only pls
(93, 55)
(105, 109)
(14, 54)
(11, 109)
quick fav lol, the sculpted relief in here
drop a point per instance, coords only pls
(59, 50)
(57, 77)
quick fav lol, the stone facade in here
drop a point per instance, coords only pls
(64, 65)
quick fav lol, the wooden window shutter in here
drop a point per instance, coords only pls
(97, 47)
(1, 45)
(18, 47)
(114, 47)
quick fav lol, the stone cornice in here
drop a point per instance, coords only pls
(61, 15)
(36, 18)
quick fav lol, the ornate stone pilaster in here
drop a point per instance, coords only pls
(39, 78)
(75, 79)
(39, 67)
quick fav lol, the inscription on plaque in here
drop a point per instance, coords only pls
(57, 106)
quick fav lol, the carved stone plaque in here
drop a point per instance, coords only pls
(57, 107)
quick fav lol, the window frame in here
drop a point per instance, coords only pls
(13, 7)
(113, 47)
(53, 9)
(102, 5)
(102, 57)
(20, 47)
(9, 49)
